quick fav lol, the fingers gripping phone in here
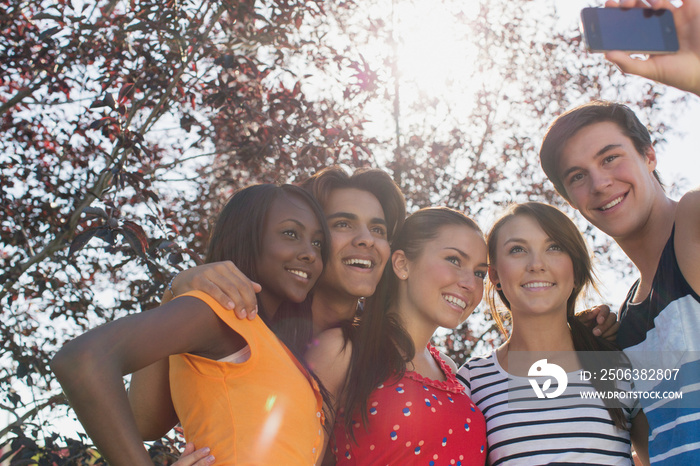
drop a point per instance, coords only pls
(637, 30)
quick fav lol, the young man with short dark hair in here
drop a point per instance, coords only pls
(600, 158)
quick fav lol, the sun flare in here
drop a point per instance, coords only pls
(434, 48)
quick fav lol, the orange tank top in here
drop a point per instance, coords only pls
(264, 411)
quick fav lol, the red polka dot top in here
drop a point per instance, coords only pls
(417, 421)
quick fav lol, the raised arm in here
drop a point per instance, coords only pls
(91, 369)
(681, 69)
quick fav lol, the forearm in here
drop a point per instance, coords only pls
(640, 437)
(223, 282)
(94, 386)
(149, 396)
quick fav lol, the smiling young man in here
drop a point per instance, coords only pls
(600, 158)
(364, 210)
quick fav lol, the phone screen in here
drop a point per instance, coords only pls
(634, 30)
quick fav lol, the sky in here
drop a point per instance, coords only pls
(431, 55)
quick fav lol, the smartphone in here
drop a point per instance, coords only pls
(640, 30)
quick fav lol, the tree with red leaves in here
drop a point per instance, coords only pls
(127, 124)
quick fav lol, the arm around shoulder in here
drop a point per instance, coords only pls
(687, 237)
(224, 282)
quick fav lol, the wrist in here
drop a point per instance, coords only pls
(169, 287)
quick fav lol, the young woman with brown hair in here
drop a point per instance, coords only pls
(538, 266)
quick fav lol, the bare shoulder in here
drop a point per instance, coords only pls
(329, 345)
(448, 360)
(329, 357)
(687, 237)
(689, 205)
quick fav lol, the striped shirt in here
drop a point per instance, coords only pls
(524, 430)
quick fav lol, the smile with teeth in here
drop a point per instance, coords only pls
(454, 300)
(538, 285)
(612, 203)
(298, 273)
(362, 263)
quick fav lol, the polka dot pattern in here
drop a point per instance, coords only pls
(416, 421)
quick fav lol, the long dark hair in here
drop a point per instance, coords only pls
(382, 347)
(237, 236)
(561, 229)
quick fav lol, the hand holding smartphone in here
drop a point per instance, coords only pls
(680, 69)
(633, 30)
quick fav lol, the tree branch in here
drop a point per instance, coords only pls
(104, 179)
(59, 241)
(26, 92)
(32, 412)
(166, 95)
